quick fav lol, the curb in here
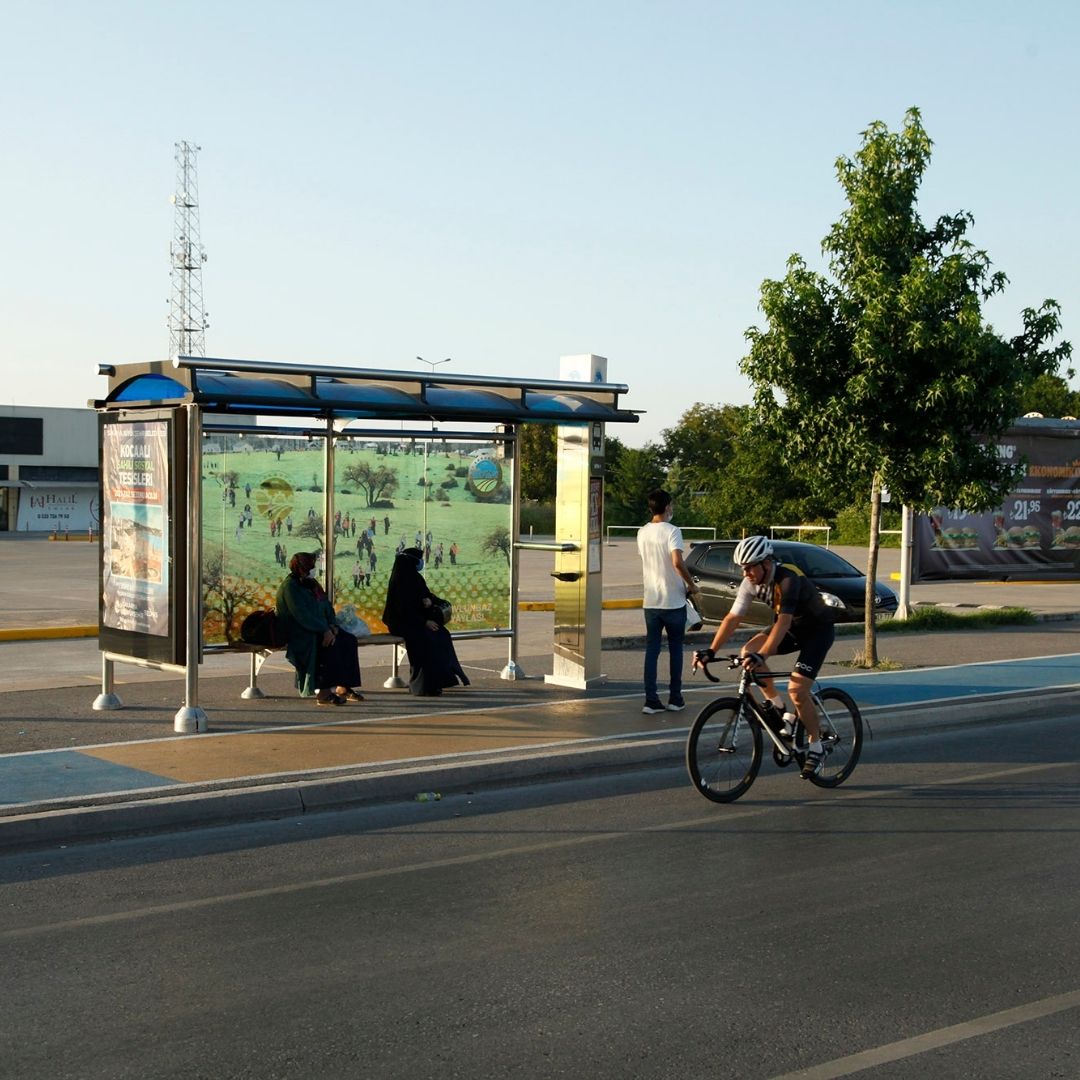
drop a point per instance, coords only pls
(630, 641)
(248, 799)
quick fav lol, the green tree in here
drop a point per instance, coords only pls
(497, 542)
(885, 373)
(536, 445)
(1051, 396)
(636, 473)
(312, 528)
(225, 594)
(377, 482)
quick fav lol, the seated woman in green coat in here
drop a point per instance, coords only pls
(323, 654)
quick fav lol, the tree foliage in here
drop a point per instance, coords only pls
(884, 373)
(312, 528)
(498, 542)
(226, 594)
(635, 473)
(377, 482)
(1051, 396)
(536, 446)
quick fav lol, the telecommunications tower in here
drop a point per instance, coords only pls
(187, 318)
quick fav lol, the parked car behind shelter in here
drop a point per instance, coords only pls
(841, 584)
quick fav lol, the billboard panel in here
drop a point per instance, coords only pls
(58, 509)
(1034, 534)
(263, 501)
(135, 525)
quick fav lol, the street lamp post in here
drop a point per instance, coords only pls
(434, 363)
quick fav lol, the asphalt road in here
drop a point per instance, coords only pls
(923, 916)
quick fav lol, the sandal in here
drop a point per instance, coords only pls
(329, 699)
(353, 695)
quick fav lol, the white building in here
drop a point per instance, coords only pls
(48, 469)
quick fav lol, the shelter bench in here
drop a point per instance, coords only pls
(261, 653)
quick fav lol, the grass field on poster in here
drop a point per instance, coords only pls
(269, 484)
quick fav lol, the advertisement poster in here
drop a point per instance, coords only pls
(1034, 534)
(135, 527)
(58, 509)
(264, 500)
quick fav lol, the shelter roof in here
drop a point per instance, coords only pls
(277, 389)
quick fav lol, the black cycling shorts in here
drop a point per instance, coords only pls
(812, 643)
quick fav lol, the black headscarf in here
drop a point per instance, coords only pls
(404, 594)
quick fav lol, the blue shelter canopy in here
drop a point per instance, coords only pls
(276, 389)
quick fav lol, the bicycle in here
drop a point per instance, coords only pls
(724, 749)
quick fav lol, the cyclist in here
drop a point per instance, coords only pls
(801, 623)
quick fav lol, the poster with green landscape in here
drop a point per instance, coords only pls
(263, 502)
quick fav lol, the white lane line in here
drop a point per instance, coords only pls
(722, 816)
(934, 1040)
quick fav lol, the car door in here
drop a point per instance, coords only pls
(718, 579)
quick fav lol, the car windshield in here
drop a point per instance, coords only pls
(817, 562)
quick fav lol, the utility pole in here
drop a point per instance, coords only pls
(187, 319)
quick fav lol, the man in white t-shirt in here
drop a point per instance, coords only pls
(667, 585)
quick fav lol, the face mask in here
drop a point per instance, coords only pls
(419, 565)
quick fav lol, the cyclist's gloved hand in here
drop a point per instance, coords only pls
(753, 660)
(704, 656)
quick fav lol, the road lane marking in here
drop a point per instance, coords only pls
(721, 816)
(934, 1040)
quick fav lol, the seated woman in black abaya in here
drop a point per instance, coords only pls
(415, 613)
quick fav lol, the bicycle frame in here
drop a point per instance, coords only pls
(747, 701)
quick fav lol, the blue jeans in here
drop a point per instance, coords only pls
(673, 622)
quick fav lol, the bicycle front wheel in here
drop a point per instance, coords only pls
(723, 750)
(842, 733)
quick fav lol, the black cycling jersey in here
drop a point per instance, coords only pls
(788, 593)
(794, 594)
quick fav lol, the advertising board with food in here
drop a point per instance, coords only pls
(1034, 534)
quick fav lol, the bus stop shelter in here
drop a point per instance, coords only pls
(201, 463)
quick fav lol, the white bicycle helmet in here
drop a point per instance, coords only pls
(751, 550)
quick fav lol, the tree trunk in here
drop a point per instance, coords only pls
(870, 657)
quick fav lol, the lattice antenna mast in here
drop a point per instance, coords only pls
(187, 318)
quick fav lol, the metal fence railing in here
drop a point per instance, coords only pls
(800, 529)
(710, 529)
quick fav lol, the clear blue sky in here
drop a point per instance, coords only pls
(500, 183)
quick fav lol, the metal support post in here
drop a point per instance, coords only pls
(107, 699)
(907, 543)
(191, 719)
(253, 692)
(512, 672)
(329, 538)
(395, 682)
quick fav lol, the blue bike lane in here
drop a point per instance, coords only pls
(960, 682)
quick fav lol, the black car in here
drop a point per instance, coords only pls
(842, 586)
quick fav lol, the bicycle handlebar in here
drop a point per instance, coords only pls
(734, 660)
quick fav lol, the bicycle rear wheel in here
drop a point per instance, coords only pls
(842, 733)
(723, 750)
